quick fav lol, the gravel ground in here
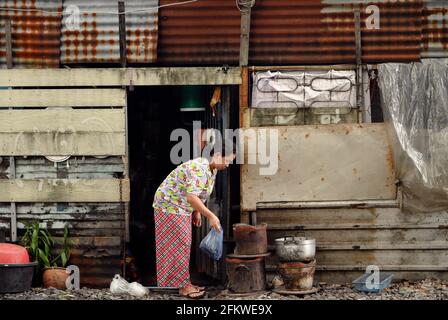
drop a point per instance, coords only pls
(422, 290)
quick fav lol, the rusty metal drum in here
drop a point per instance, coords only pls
(297, 275)
(250, 240)
(246, 275)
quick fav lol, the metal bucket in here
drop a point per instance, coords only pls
(250, 240)
(298, 275)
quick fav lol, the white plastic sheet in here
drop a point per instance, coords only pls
(415, 104)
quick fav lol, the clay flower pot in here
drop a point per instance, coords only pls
(55, 277)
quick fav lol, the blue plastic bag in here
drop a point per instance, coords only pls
(212, 244)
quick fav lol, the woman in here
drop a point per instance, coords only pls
(179, 203)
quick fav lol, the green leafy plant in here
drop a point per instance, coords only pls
(41, 247)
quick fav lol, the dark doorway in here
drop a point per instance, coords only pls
(153, 113)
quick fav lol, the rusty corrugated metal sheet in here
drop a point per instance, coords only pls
(316, 32)
(288, 32)
(208, 32)
(36, 34)
(98, 38)
(435, 29)
(96, 229)
(204, 32)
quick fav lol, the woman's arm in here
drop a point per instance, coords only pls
(199, 206)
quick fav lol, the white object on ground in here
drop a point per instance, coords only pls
(119, 285)
(137, 290)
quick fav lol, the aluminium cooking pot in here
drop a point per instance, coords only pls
(290, 248)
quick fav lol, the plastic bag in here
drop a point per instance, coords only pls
(137, 290)
(212, 244)
(119, 285)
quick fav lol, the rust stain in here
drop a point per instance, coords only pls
(36, 35)
(390, 159)
(99, 40)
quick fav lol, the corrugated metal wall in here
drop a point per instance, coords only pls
(207, 32)
(288, 32)
(435, 29)
(98, 37)
(36, 35)
(204, 32)
(323, 32)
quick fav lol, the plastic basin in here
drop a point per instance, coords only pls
(15, 278)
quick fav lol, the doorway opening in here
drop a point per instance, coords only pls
(153, 114)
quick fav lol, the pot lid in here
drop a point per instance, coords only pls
(13, 254)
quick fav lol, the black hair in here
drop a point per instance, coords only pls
(226, 148)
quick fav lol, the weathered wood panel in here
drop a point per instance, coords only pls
(348, 240)
(64, 190)
(73, 168)
(373, 237)
(63, 98)
(96, 234)
(96, 229)
(83, 219)
(364, 258)
(57, 120)
(62, 132)
(98, 259)
(319, 163)
(345, 216)
(119, 77)
(347, 276)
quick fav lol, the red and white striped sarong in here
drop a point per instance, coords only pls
(173, 246)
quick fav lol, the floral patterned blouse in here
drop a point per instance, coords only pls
(191, 177)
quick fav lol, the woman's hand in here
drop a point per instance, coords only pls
(199, 206)
(197, 221)
(214, 223)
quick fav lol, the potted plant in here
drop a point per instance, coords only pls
(51, 266)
